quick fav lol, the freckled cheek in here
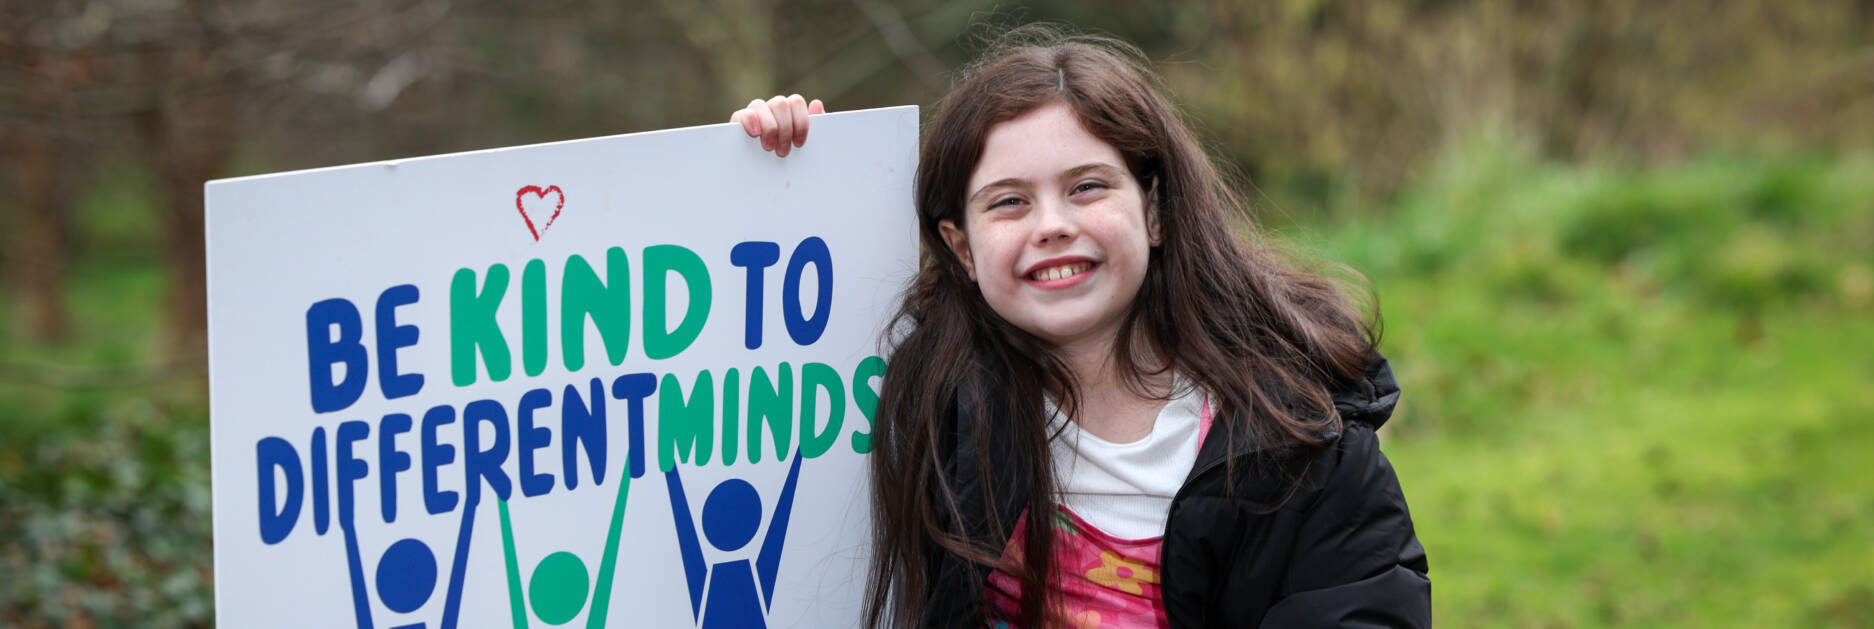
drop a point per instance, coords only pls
(996, 251)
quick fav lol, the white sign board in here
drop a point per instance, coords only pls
(624, 381)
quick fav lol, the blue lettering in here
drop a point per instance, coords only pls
(270, 454)
(321, 509)
(804, 330)
(754, 256)
(391, 337)
(323, 351)
(583, 425)
(350, 468)
(390, 461)
(436, 455)
(633, 388)
(479, 464)
(532, 438)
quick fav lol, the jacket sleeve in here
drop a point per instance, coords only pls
(1356, 560)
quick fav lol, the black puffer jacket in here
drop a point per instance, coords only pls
(1334, 549)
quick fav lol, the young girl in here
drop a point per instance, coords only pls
(1110, 403)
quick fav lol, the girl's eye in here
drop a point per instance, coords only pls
(1086, 186)
(1005, 201)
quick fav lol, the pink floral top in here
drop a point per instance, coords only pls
(1105, 581)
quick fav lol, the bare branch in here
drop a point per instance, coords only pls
(902, 43)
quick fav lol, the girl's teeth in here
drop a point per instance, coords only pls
(1063, 271)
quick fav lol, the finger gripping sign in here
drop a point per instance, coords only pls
(624, 381)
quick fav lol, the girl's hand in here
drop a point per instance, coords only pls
(780, 122)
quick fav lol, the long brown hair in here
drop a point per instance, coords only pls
(1264, 338)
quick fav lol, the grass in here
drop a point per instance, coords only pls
(1739, 501)
(1633, 398)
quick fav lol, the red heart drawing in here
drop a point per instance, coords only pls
(520, 203)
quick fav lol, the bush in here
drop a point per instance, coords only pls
(105, 509)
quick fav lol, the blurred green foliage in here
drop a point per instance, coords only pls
(105, 513)
(1633, 398)
(104, 488)
(1622, 250)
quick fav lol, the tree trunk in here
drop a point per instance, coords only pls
(187, 136)
(37, 252)
(737, 37)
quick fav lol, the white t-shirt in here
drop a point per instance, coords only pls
(1125, 489)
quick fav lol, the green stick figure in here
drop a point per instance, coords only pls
(559, 584)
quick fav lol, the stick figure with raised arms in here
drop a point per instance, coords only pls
(725, 594)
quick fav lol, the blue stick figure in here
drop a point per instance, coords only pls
(731, 514)
(406, 575)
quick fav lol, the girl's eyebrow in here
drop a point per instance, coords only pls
(1083, 168)
(1066, 174)
(1010, 181)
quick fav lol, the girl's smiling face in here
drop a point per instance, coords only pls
(1056, 231)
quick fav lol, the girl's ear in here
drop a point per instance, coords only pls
(959, 245)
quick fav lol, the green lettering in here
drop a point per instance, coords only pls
(731, 413)
(867, 398)
(813, 378)
(683, 427)
(773, 401)
(534, 317)
(660, 341)
(472, 326)
(582, 293)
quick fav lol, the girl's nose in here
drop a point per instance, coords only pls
(1053, 225)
